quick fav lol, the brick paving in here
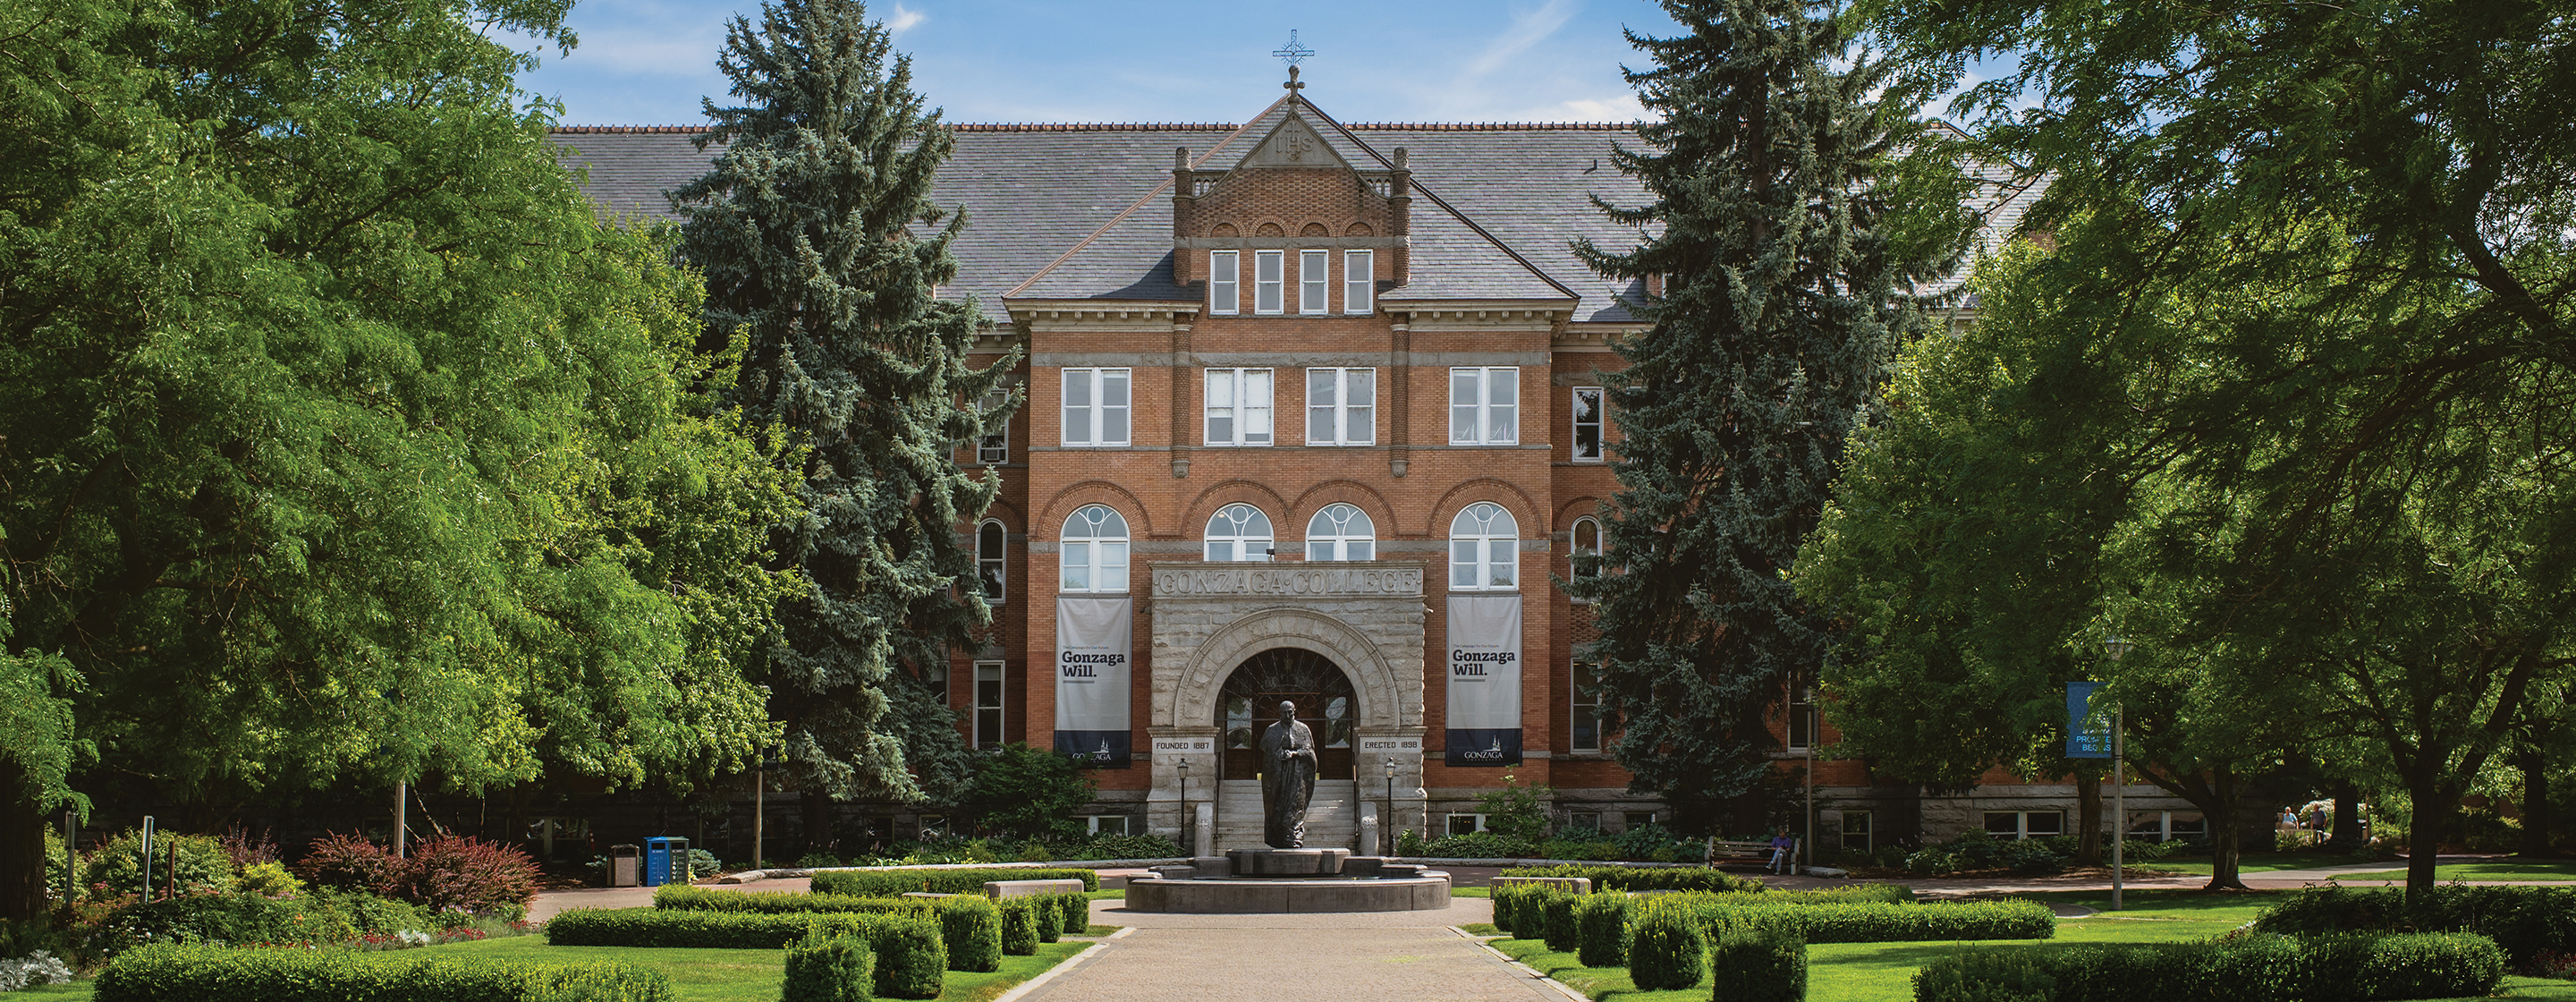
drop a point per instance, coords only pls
(1357, 957)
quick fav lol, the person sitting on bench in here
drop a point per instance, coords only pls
(1782, 848)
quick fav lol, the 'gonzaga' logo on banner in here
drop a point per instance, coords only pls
(1484, 680)
(1094, 638)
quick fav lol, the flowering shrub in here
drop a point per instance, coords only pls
(351, 863)
(38, 968)
(2554, 964)
(182, 864)
(456, 873)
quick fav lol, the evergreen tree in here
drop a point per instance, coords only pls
(1784, 227)
(822, 252)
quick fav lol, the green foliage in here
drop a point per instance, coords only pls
(823, 249)
(890, 883)
(909, 950)
(1640, 878)
(2251, 968)
(1517, 810)
(1976, 850)
(1558, 924)
(1026, 793)
(973, 928)
(1601, 929)
(1875, 922)
(115, 867)
(681, 897)
(1020, 926)
(211, 974)
(1779, 207)
(1077, 912)
(1666, 948)
(828, 967)
(1473, 845)
(2523, 921)
(1758, 964)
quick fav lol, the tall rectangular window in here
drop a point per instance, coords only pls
(1586, 707)
(1095, 407)
(1341, 406)
(996, 444)
(1314, 281)
(1238, 407)
(1484, 405)
(1268, 283)
(1225, 288)
(1855, 831)
(990, 546)
(988, 704)
(1359, 281)
(1587, 424)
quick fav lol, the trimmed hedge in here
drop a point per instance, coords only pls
(1558, 921)
(911, 955)
(973, 929)
(1601, 930)
(827, 967)
(1047, 914)
(2522, 920)
(2250, 968)
(1630, 878)
(1665, 947)
(1834, 922)
(1077, 913)
(681, 897)
(1019, 927)
(216, 974)
(1759, 965)
(895, 883)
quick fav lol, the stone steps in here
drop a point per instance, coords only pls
(1332, 821)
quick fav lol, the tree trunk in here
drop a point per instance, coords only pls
(2435, 808)
(2535, 794)
(22, 850)
(2347, 818)
(2088, 818)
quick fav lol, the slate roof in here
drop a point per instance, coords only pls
(1074, 211)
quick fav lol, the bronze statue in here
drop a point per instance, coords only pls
(1287, 779)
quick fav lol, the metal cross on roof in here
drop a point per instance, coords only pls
(1293, 52)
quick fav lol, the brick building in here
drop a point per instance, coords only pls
(1313, 413)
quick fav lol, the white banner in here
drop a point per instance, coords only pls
(1094, 640)
(1484, 680)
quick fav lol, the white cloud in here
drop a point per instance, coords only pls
(1623, 108)
(903, 20)
(1527, 29)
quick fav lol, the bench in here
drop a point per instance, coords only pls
(999, 889)
(1758, 850)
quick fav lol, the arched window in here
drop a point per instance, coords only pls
(1587, 543)
(1484, 549)
(1341, 532)
(1238, 532)
(1094, 557)
(989, 541)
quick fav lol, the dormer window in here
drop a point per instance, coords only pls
(1269, 285)
(1314, 281)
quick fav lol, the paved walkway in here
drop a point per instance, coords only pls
(1364, 957)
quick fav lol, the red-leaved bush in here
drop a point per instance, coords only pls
(469, 874)
(351, 863)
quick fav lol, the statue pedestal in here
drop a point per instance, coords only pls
(1287, 862)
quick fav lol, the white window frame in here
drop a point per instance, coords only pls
(1243, 530)
(1225, 282)
(994, 448)
(992, 564)
(1475, 823)
(1269, 282)
(1230, 424)
(2021, 822)
(989, 715)
(1580, 704)
(1868, 831)
(1333, 527)
(1341, 419)
(1092, 418)
(1099, 557)
(1476, 416)
(1599, 424)
(1125, 823)
(1484, 549)
(1359, 281)
(1314, 281)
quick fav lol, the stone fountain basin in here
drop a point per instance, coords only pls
(1289, 895)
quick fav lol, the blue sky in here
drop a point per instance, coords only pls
(647, 62)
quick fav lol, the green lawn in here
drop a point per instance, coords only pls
(719, 975)
(2480, 871)
(1884, 972)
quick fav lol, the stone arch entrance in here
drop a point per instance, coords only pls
(1325, 701)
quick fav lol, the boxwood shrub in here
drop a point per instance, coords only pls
(163, 971)
(1665, 947)
(910, 951)
(2250, 968)
(973, 928)
(1635, 878)
(895, 883)
(680, 897)
(1557, 922)
(1755, 964)
(1878, 922)
(1019, 927)
(1601, 929)
(828, 966)
(2522, 920)
(1077, 913)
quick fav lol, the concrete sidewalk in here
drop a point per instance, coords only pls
(1392, 956)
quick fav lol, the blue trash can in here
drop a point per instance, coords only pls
(666, 861)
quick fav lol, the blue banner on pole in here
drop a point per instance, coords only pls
(2081, 741)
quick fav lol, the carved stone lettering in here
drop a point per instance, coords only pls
(1291, 581)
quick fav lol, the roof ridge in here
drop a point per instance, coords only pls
(1179, 126)
(1453, 212)
(1157, 189)
(1493, 126)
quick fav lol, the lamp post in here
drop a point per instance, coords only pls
(1390, 805)
(1186, 844)
(2116, 647)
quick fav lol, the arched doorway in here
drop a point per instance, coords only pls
(1324, 698)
